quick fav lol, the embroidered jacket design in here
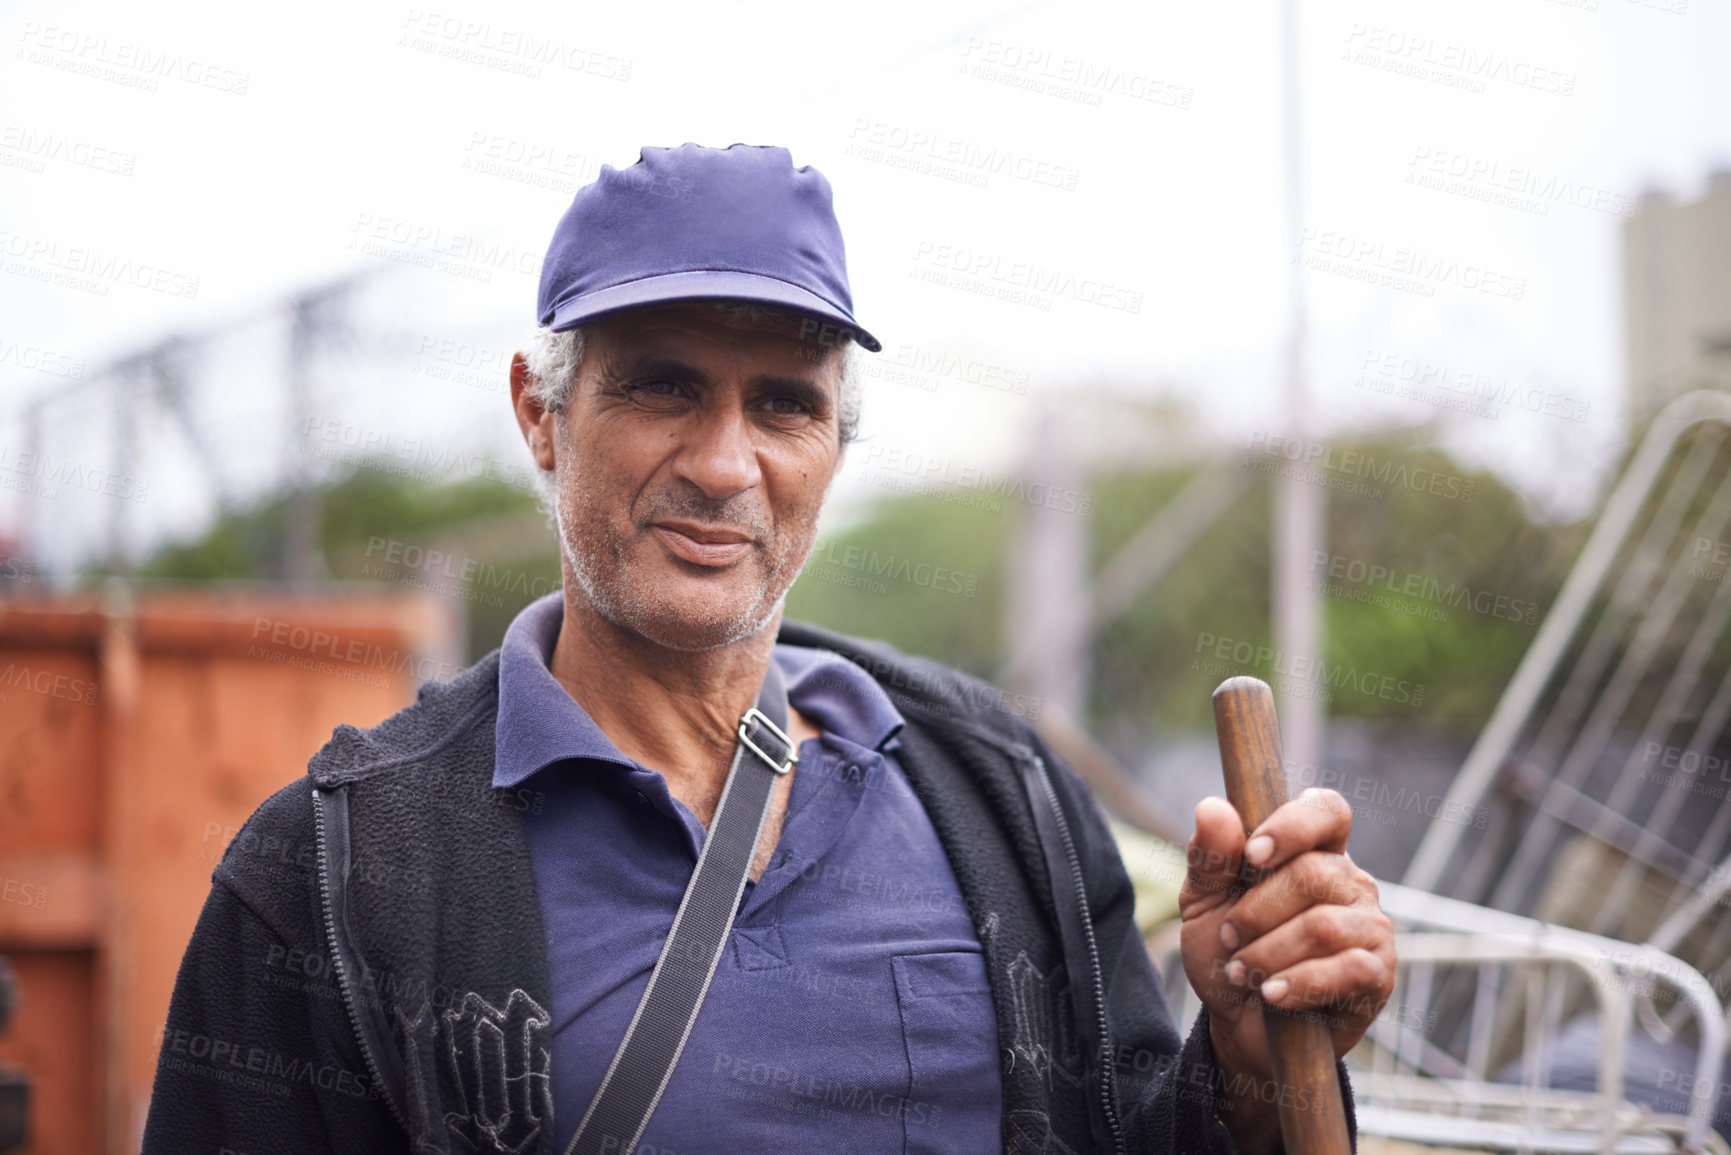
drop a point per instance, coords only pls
(499, 1062)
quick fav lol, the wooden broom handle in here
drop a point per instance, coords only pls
(1312, 1119)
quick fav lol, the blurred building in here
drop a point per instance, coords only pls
(1677, 297)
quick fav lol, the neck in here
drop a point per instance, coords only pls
(674, 711)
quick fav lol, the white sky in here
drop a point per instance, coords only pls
(354, 114)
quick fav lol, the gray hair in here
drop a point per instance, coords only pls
(553, 359)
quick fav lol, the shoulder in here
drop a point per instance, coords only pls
(442, 714)
(929, 693)
(271, 862)
(990, 731)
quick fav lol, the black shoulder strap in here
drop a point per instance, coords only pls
(645, 1060)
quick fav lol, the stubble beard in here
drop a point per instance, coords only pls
(596, 557)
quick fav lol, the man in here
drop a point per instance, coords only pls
(934, 948)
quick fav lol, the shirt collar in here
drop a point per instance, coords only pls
(540, 723)
(839, 697)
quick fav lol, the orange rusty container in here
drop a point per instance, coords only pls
(135, 737)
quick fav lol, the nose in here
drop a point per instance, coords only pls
(720, 457)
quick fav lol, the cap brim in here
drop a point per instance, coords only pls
(707, 284)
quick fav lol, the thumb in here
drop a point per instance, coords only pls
(1214, 855)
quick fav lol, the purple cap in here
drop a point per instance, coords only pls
(690, 223)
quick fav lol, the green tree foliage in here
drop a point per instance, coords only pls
(1148, 663)
(246, 544)
(382, 528)
(923, 574)
(1460, 589)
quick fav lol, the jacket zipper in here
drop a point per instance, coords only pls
(1108, 1081)
(340, 960)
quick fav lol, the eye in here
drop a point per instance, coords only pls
(655, 394)
(787, 407)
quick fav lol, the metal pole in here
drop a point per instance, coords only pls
(1047, 608)
(1300, 508)
(303, 515)
(124, 410)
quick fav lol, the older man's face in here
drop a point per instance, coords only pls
(691, 466)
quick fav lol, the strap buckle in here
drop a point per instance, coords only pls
(756, 715)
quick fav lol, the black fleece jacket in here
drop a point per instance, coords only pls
(369, 973)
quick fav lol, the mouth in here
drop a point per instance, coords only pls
(700, 545)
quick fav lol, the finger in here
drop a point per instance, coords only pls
(1355, 982)
(1214, 854)
(1314, 877)
(1316, 820)
(1320, 932)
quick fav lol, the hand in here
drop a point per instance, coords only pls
(1309, 936)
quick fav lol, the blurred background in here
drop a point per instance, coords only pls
(1302, 340)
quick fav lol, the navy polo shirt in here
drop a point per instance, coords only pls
(850, 1011)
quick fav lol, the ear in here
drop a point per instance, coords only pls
(535, 421)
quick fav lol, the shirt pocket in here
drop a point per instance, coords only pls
(955, 1092)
